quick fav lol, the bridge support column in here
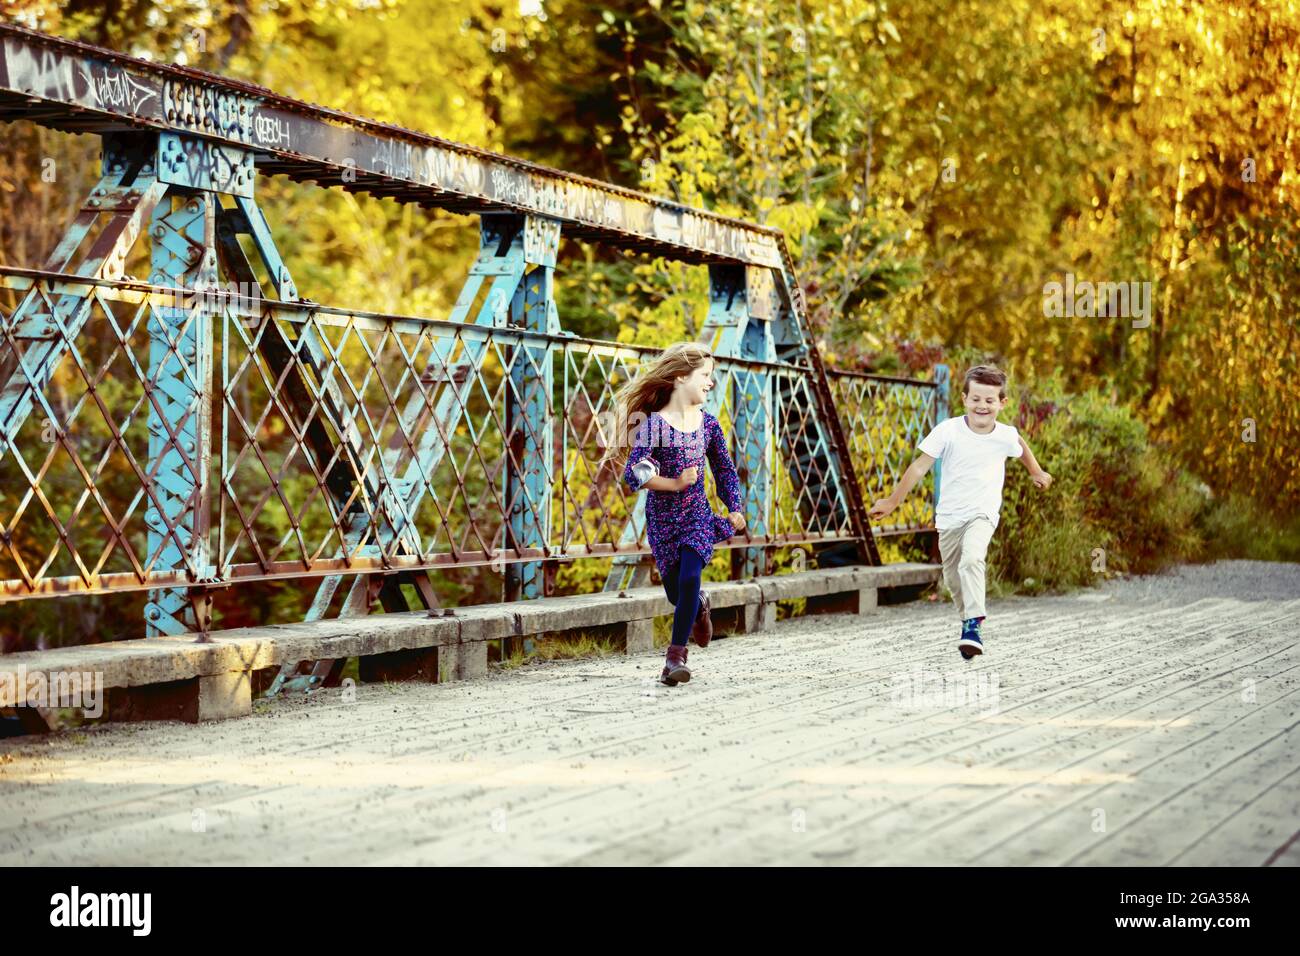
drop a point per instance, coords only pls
(529, 414)
(180, 369)
(745, 618)
(742, 305)
(214, 697)
(433, 665)
(753, 432)
(464, 661)
(942, 398)
(862, 602)
(639, 636)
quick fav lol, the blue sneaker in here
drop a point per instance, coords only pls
(970, 643)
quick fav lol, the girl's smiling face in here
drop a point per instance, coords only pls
(983, 403)
(696, 386)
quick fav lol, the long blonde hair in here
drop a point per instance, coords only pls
(648, 392)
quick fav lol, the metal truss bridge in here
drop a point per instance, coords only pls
(168, 434)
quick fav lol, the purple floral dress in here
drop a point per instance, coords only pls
(676, 519)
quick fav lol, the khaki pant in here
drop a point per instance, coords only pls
(963, 550)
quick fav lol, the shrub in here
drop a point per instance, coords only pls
(1118, 503)
(1234, 526)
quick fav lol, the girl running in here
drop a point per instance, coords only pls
(660, 414)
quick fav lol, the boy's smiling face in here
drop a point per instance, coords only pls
(983, 404)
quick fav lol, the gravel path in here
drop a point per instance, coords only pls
(1149, 721)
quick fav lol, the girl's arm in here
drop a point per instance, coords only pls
(1041, 478)
(660, 483)
(724, 470)
(915, 472)
(643, 454)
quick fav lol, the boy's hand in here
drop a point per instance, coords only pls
(882, 507)
(688, 477)
(737, 520)
(1042, 479)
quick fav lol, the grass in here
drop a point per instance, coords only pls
(562, 646)
(1234, 526)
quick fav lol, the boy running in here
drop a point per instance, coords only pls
(973, 450)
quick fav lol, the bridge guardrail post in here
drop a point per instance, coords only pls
(942, 399)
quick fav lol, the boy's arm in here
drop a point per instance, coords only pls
(915, 472)
(1040, 477)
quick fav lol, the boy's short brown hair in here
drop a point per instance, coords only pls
(986, 375)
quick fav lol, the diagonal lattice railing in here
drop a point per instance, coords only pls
(884, 420)
(79, 503)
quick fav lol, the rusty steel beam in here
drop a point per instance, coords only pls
(118, 582)
(72, 86)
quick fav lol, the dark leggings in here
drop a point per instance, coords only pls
(683, 580)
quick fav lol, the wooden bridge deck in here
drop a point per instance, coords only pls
(1149, 722)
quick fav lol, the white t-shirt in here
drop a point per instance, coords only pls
(973, 468)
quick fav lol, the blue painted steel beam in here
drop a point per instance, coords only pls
(183, 256)
(127, 193)
(753, 431)
(941, 401)
(529, 413)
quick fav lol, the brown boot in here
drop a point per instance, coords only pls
(675, 669)
(702, 631)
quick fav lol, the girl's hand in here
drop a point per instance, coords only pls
(688, 477)
(1042, 479)
(737, 520)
